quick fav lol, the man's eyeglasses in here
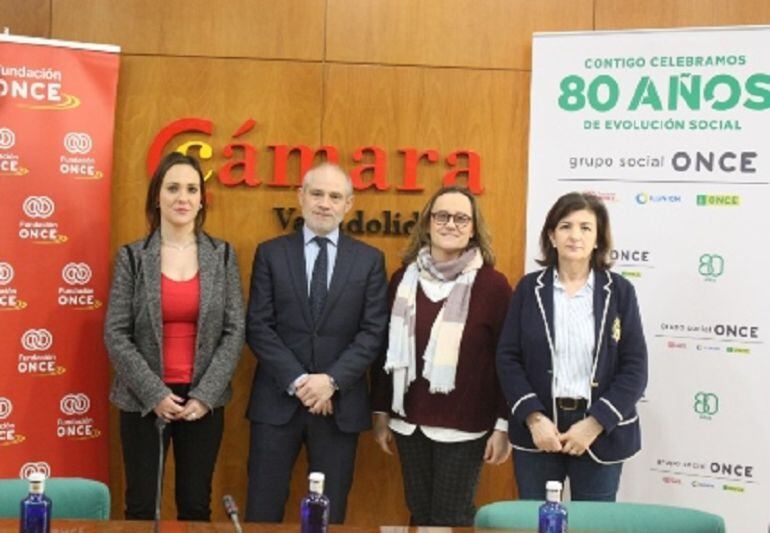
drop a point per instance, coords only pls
(442, 218)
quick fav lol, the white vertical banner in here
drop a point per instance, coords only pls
(671, 129)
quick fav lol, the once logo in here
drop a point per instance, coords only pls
(38, 207)
(637, 256)
(711, 265)
(737, 349)
(718, 200)
(7, 138)
(36, 340)
(737, 331)
(75, 404)
(729, 469)
(78, 143)
(706, 403)
(5, 408)
(6, 273)
(76, 273)
(40, 467)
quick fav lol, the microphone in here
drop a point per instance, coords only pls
(160, 424)
(232, 511)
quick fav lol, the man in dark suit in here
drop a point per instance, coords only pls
(317, 319)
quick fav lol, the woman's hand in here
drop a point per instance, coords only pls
(544, 432)
(193, 410)
(382, 433)
(580, 436)
(498, 448)
(169, 407)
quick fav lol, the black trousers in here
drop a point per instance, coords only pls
(440, 478)
(273, 452)
(196, 445)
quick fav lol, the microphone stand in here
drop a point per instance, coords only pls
(232, 511)
(160, 424)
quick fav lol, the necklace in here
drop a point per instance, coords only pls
(180, 247)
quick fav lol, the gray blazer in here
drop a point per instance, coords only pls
(133, 328)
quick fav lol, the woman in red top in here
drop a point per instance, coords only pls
(442, 401)
(174, 332)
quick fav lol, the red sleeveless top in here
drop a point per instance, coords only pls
(179, 305)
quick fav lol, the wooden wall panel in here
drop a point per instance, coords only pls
(284, 98)
(467, 33)
(26, 17)
(622, 14)
(290, 29)
(441, 109)
(445, 110)
(728, 12)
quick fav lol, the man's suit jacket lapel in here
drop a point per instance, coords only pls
(296, 260)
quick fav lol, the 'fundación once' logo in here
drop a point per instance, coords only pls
(34, 467)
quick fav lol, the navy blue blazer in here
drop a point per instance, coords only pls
(347, 339)
(525, 362)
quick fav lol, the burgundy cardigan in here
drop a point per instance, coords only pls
(476, 401)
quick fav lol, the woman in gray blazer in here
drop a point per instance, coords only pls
(174, 332)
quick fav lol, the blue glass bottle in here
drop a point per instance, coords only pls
(553, 515)
(36, 507)
(314, 513)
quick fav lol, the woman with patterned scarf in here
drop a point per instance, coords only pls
(436, 389)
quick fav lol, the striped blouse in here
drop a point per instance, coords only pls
(574, 339)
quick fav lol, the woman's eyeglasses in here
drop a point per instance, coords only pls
(442, 218)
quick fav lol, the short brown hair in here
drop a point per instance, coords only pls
(151, 208)
(421, 235)
(564, 206)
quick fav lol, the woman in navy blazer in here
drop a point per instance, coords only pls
(572, 359)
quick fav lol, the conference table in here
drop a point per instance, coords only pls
(118, 526)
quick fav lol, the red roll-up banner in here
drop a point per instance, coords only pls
(57, 109)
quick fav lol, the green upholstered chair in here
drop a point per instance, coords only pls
(603, 516)
(72, 497)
